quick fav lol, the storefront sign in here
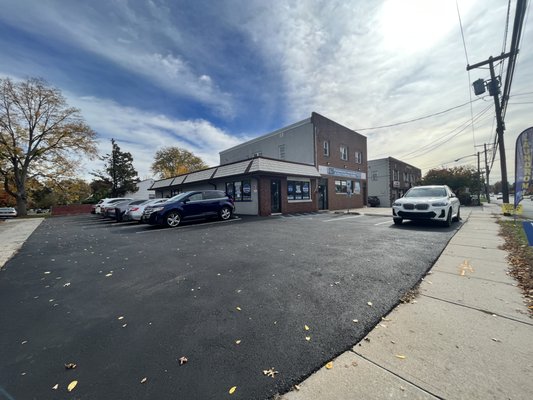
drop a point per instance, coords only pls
(346, 173)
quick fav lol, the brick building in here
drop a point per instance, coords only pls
(389, 179)
(307, 166)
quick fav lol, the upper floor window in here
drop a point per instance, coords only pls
(374, 176)
(326, 148)
(358, 157)
(281, 149)
(344, 153)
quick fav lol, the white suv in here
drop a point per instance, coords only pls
(436, 203)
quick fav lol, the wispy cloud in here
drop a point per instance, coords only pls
(143, 133)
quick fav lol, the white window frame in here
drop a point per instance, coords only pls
(358, 157)
(344, 152)
(326, 148)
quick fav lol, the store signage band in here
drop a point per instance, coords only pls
(345, 173)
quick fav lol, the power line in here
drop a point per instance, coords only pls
(417, 119)
(468, 72)
(432, 146)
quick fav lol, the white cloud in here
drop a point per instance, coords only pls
(143, 133)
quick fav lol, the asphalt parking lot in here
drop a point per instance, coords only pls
(124, 302)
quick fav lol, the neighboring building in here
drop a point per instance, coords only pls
(338, 153)
(389, 179)
(143, 191)
(311, 165)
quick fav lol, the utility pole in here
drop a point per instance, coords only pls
(494, 91)
(478, 182)
(487, 174)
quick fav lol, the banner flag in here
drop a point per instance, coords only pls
(523, 164)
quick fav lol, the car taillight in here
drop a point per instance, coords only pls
(134, 208)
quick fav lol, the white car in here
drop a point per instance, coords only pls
(135, 212)
(108, 202)
(8, 212)
(435, 203)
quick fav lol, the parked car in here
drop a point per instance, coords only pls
(100, 207)
(8, 212)
(135, 212)
(190, 205)
(373, 201)
(122, 207)
(436, 203)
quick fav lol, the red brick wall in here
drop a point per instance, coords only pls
(286, 207)
(71, 209)
(338, 135)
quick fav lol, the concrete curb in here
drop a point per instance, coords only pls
(13, 234)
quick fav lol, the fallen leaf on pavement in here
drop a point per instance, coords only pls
(355, 320)
(308, 338)
(183, 360)
(238, 308)
(369, 303)
(385, 319)
(238, 341)
(306, 327)
(55, 386)
(71, 386)
(329, 365)
(108, 275)
(143, 380)
(121, 317)
(400, 356)
(70, 366)
(270, 372)
(297, 387)
(496, 340)
(232, 389)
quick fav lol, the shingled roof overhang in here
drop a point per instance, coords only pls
(254, 166)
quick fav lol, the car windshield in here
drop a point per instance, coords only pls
(426, 192)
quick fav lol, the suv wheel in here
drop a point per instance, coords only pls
(172, 219)
(397, 221)
(225, 213)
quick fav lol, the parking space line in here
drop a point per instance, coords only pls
(342, 218)
(382, 223)
(188, 226)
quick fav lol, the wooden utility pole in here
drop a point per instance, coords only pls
(494, 91)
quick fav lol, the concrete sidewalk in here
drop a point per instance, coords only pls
(13, 234)
(467, 335)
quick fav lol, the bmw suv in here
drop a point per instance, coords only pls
(190, 205)
(435, 203)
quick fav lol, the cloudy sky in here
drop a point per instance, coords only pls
(207, 75)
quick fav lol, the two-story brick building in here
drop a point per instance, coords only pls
(338, 153)
(389, 179)
(307, 166)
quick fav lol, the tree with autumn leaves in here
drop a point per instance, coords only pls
(172, 161)
(40, 136)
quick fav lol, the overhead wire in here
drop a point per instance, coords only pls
(450, 135)
(468, 71)
(418, 118)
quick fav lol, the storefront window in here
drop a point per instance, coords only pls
(240, 190)
(341, 187)
(298, 190)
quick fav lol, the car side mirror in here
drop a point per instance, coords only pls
(185, 200)
(453, 195)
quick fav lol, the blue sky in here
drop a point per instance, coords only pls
(207, 75)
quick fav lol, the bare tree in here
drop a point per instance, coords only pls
(40, 135)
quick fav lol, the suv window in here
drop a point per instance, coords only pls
(214, 194)
(196, 197)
